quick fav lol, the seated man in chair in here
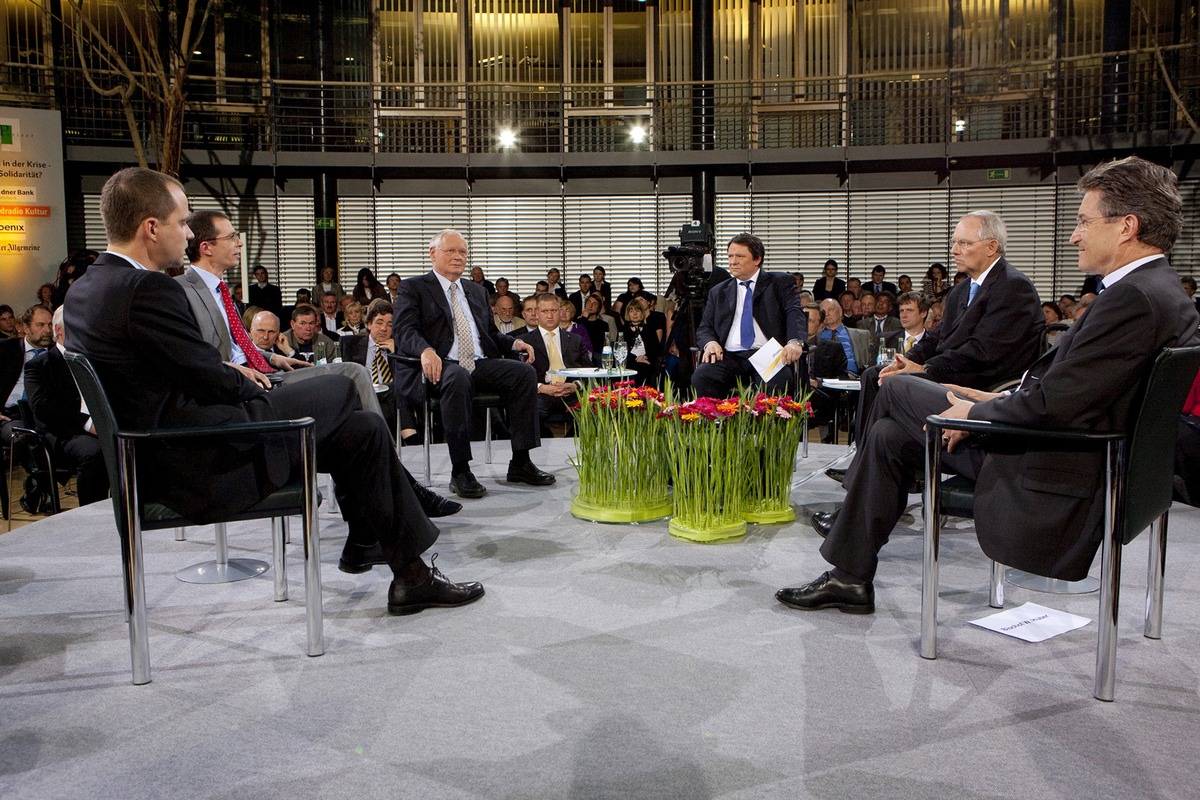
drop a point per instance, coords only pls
(447, 323)
(553, 349)
(1036, 509)
(135, 325)
(741, 314)
(62, 419)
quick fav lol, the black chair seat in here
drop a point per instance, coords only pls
(282, 502)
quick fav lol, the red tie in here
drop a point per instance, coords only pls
(253, 358)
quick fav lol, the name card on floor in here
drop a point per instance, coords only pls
(1032, 622)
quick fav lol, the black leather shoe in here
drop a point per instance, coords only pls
(356, 558)
(838, 475)
(465, 485)
(528, 473)
(437, 591)
(433, 503)
(828, 591)
(822, 522)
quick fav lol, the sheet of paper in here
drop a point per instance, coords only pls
(1032, 622)
(769, 359)
(841, 385)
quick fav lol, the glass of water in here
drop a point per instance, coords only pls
(620, 352)
(886, 356)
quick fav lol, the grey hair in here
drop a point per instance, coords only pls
(991, 226)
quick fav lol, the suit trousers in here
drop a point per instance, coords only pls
(513, 380)
(82, 453)
(889, 458)
(355, 447)
(869, 388)
(720, 378)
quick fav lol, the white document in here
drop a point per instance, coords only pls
(1032, 622)
(769, 359)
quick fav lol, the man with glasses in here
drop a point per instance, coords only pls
(990, 331)
(447, 323)
(1036, 509)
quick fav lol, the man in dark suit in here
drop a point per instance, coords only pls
(878, 285)
(554, 348)
(880, 324)
(14, 355)
(447, 323)
(61, 420)
(1036, 508)
(135, 325)
(992, 326)
(265, 294)
(371, 351)
(740, 316)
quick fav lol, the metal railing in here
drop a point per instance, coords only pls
(1053, 98)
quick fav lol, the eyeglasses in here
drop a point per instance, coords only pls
(963, 244)
(1082, 222)
(229, 237)
(454, 251)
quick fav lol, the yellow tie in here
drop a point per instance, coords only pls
(556, 362)
(908, 343)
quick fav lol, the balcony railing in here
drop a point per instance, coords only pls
(1059, 98)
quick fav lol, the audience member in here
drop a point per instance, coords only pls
(553, 283)
(855, 342)
(63, 421)
(601, 285)
(352, 324)
(596, 326)
(265, 294)
(554, 348)
(329, 317)
(880, 324)
(478, 279)
(644, 350)
(306, 341)
(8, 323)
(327, 282)
(935, 285)
(878, 285)
(367, 288)
(829, 285)
(585, 288)
(503, 312)
(566, 321)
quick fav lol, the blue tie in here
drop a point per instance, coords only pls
(974, 291)
(1099, 286)
(747, 329)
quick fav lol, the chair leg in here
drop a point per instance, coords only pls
(996, 587)
(1110, 586)
(287, 531)
(279, 553)
(312, 550)
(179, 537)
(134, 567)
(933, 530)
(1156, 573)
(804, 438)
(426, 440)
(487, 435)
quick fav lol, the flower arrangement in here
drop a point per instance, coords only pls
(619, 455)
(774, 429)
(707, 454)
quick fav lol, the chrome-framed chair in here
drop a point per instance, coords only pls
(1138, 495)
(487, 401)
(135, 514)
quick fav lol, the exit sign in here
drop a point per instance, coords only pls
(324, 223)
(999, 174)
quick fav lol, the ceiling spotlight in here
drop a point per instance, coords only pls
(507, 137)
(637, 134)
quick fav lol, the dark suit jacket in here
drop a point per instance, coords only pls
(53, 395)
(268, 297)
(1042, 509)
(422, 320)
(885, 286)
(776, 310)
(819, 292)
(12, 361)
(569, 344)
(172, 377)
(995, 338)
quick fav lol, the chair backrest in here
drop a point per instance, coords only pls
(104, 421)
(1150, 448)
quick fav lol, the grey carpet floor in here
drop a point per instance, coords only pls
(604, 662)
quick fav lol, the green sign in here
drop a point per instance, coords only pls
(324, 223)
(999, 174)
